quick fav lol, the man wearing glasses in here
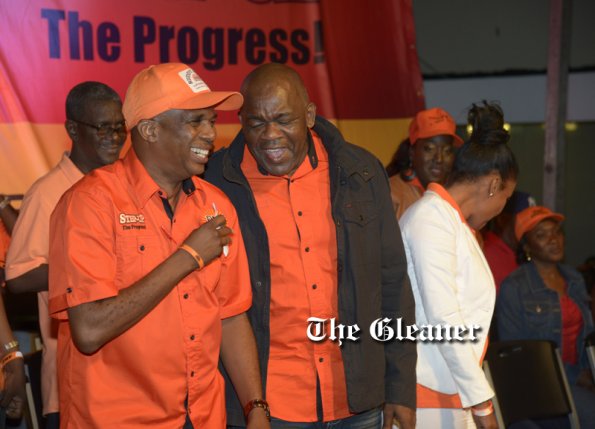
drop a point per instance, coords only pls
(95, 125)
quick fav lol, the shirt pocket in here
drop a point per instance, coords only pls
(538, 313)
(360, 212)
(136, 256)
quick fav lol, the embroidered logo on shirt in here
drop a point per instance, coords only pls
(132, 221)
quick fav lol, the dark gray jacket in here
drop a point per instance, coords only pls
(371, 269)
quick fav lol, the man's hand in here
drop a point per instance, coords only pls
(404, 416)
(13, 395)
(257, 419)
(208, 239)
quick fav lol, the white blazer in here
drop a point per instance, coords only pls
(452, 284)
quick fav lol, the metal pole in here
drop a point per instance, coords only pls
(556, 98)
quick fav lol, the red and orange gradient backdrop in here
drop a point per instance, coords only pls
(358, 59)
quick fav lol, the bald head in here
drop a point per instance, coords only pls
(276, 117)
(274, 75)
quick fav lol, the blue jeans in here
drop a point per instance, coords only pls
(367, 420)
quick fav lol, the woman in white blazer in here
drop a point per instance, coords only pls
(451, 280)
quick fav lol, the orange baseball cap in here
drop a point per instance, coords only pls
(163, 87)
(433, 122)
(528, 219)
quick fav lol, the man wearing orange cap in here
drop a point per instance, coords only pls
(432, 140)
(149, 275)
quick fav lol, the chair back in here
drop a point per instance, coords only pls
(590, 348)
(529, 381)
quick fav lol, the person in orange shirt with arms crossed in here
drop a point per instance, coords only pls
(322, 241)
(95, 125)
(149, 274)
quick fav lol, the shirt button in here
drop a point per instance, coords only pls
(69, 289)
(314, 286)
(338, 223)
(258, 283)
(192, 374)
(142, 247)
(160, 193)
(185, 296)
(307, 249)
(320, 359)
(300, 213)
(192, 337)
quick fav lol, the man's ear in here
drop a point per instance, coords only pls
(148, 130)
(71, 129)
(310, 114)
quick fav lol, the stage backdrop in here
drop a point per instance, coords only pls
(358, 59)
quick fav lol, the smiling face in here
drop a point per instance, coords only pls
(545, 242)
(432, 158)
(184, 141)
(275, 117)
(96, 148)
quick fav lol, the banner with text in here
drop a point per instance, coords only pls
(359, 62)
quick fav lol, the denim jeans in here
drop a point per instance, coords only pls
(367, 420)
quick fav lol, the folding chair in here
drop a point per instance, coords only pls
(33, 409)
(529, 381)
(590, 347)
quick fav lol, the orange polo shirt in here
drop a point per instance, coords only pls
(29, 249)
(107, 232)
(426, 397)
(296, 212)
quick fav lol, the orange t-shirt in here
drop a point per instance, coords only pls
(296, 212)
(107, 232)
(29, 249)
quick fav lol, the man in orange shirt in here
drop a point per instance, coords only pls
(95, 125)
(148, 279)
(322, 241)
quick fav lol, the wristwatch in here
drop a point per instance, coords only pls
(260, 403)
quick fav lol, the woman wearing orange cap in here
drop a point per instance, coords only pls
(431, 152)
(451, 280)
(546, 300)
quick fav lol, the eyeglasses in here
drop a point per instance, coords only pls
(105, 129)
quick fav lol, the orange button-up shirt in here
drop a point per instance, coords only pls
(107, 232)
(296, 212)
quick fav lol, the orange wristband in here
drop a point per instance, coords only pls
(194, 254)
(10, 357)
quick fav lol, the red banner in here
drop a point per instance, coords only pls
(359, 62)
